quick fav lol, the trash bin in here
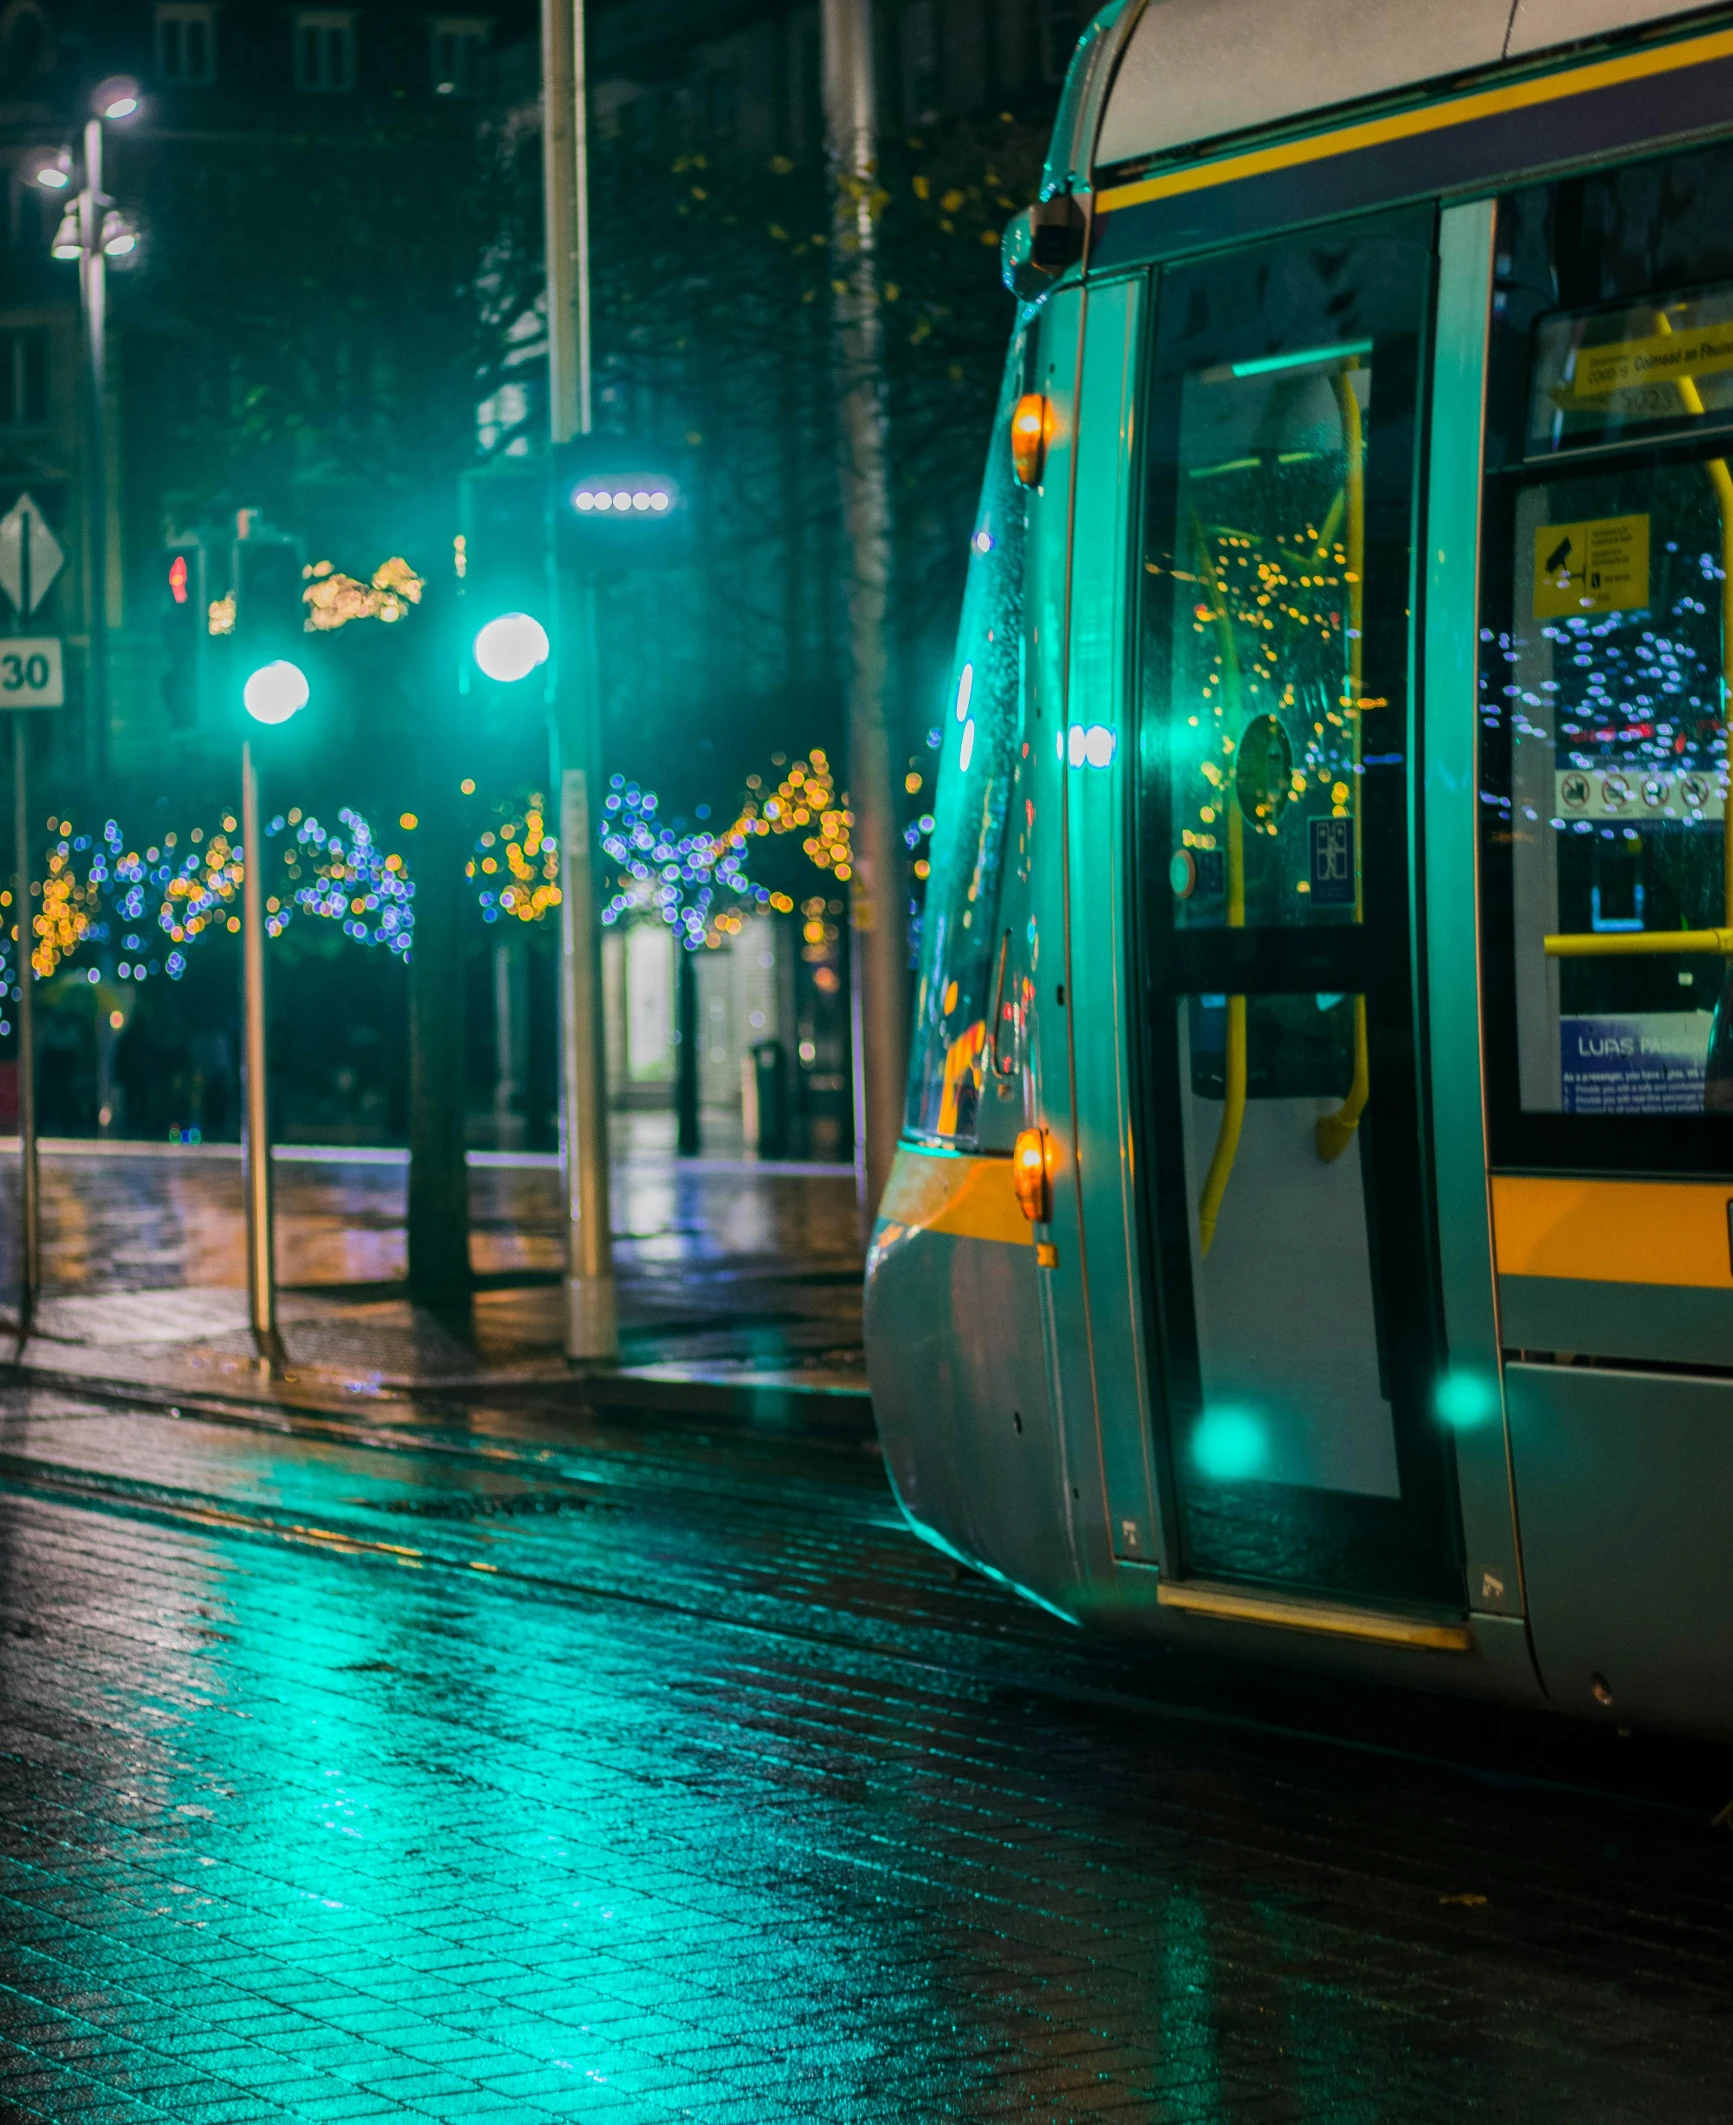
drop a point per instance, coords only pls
(770, 1076)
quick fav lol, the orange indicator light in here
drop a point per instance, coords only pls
(1029, 1176)
(1031, 429)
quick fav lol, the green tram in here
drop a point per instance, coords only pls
(1310, 1236)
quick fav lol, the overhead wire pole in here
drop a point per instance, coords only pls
(25, 596)
(256, 1124)
(93, 286)
(879, 956)
(575, 710)
(29, 1194)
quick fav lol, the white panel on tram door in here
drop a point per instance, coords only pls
(1097, 765)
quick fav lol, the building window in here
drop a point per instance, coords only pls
(920, 57)
(25, 47)
(325, 53)
(721, 103)
(459, 54)
(186, 44)
(1061, 26)
(24, 377)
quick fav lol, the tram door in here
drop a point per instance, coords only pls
(1288, 1200)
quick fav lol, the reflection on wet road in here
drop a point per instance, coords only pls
(511, 1763)
(130, 1217)
(719, 1260)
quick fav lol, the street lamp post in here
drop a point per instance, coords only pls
(273, 694)
(93, 230)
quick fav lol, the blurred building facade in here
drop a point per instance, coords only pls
(334, 307)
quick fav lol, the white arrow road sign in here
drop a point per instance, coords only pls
(30, 555)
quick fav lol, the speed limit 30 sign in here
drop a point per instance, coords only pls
(32, 673)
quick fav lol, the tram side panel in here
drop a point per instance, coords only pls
(957, 1302)
(1097, 763)
(1606, 871)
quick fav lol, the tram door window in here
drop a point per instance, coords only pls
(1288, 1211)
(962, 964)
(1607, 650)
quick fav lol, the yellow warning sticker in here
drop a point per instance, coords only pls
(1626, 365)
(1598, 566)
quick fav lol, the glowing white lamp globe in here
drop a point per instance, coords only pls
(275, 692)
(511, 647)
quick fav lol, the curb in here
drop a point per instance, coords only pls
(775, 1399)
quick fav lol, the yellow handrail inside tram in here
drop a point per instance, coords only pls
(1722, 482)
(1616, 944)
(1336, 1131)
(1227, 1145)
(1221, 1163)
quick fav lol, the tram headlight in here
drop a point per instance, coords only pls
(1030, 1176)
(1031, 431)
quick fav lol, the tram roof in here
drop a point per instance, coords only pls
(1194, 70)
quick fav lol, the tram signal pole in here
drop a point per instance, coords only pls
(272, 694)
(878, 959)
(29, 1194)
(575, 711)
(32, 676)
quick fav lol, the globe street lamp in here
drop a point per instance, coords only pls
(93, 230)
(272, 694)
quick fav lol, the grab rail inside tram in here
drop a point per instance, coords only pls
(1334, 1131)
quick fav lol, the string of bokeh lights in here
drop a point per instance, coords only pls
(177, 891)
(678, 875)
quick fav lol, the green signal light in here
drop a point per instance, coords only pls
(275, 692)
(510, 647)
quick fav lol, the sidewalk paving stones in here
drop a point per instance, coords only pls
(739, 1279)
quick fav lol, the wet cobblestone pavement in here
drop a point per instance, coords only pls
(476, 1761)
(727, 1266)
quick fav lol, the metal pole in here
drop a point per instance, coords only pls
(29, 1193)
(591, 1326)
(877, 887)
(93, 287)
(256, 1140)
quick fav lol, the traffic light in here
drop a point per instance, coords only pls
(185, 631)
(267, 584)
(276, 691)
(505, 576)
(510, 646)
(618, 507)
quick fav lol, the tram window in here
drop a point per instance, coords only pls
(1609, 375)
(1610, 680)
(1606, 651)
(1269, 546)
(949, 1057)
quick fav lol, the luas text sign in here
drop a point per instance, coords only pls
(32, 672)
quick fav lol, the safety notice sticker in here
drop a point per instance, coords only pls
(1598, 566)
(1625, 365)
(1652, 1062)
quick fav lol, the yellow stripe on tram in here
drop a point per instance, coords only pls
(1613, 1232)
(1410, 125)
(947, 1191)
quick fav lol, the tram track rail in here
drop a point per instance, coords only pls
(358, 1538)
